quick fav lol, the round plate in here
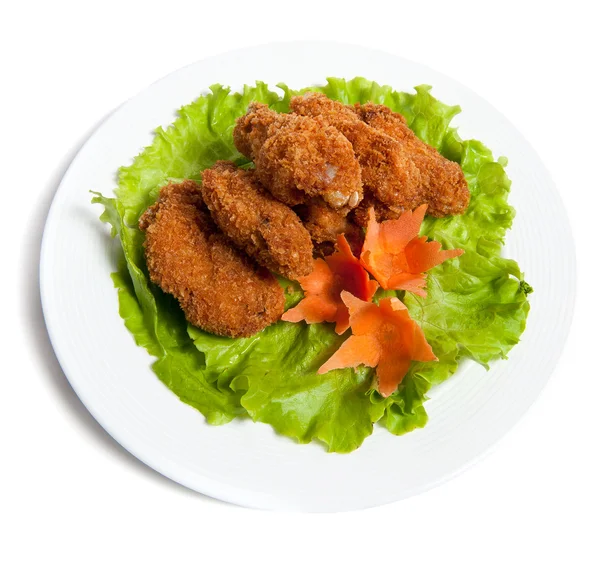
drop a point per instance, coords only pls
(244, 462)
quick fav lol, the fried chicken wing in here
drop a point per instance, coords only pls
(387, 171)
(443, 184)
(258, 224)
(360, 215)
(324, 226)
(219, 289)
(298, 159)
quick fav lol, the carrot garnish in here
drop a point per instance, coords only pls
(397, 257)
(323, 286)
(383, 336)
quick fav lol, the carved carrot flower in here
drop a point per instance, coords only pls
(383, 336)
(397, 257)
(322, 288)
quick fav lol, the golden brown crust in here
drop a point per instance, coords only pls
(360, 215)
(257, 223)
(443, 185)
(324, 226)
(387, 171)
(298, 158)
(219, 289)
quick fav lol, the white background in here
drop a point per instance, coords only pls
(69, 493)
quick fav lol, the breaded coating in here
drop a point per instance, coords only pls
(360, 215)
(324, 226)
(323, 223)
(219, 289)
(298, 158)
(443, 184)
(257, 223)
(387, 170)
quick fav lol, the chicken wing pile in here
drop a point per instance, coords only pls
(399, 171)
(299, 159)
(255, 222)
(219, 288)
(317, 171)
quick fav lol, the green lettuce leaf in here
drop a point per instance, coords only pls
(476, 306)
(277, 372)
(157, 324)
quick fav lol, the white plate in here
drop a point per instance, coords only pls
(244, 462)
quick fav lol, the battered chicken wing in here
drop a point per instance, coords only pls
(298, 159)
(324, 226)
(387, 170)
(443, 184)
(360, 215)
(219, 289)
(257, 223)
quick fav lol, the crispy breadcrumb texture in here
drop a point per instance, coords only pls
(258, 224)
(443, 185)
(219, 289)
(360, 215)
(298, 158)
(324, 226)
(387, 171)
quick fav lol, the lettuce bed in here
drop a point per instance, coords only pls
(476, 306)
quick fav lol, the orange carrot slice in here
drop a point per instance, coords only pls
(323, 286)
(383, 336)
(397, 257)
(320, 299)
(354, 278)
